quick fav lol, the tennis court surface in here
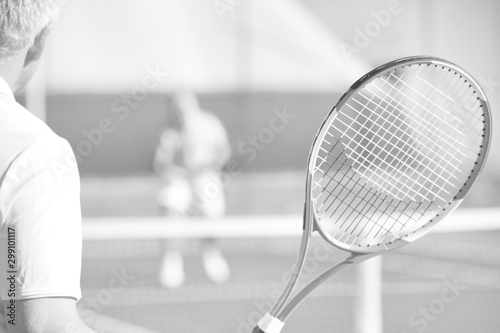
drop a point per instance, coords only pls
(449, 281)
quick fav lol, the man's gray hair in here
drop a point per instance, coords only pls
(22, 20)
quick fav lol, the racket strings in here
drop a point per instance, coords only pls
(460, 92)
(424, 99)
(429, 120)
(427, 126)
(340, 183)
(421, 140)
(434, 148)
(395, 175)
(353, 209)
(471, 103)
(400, 219)
(434, 91)
(435, 110)
(397, 152)
(402, 162)
(343, 212)
(434, 123)
(463, 99)
(395, 134)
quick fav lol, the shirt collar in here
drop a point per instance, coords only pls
(5, 89)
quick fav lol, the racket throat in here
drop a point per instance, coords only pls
(304, 246)
(301, 258)
(353, 259)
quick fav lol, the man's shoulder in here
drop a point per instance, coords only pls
(21, 131)
(15, 116)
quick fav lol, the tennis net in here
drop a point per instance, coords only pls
(449, 281)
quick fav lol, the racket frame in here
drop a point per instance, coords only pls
(282, 309)
(400, 63)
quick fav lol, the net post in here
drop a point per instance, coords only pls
(368, 314)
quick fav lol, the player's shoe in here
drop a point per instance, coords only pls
(172, 273)
(215, 265)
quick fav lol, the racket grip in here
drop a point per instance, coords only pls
(268, 324)
(257, 330)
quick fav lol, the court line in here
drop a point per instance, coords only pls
(244, 291)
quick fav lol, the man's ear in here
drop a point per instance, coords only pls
(36, 49)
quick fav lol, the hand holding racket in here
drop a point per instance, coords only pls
(396, 154)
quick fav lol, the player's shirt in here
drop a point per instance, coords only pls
(205, 142)
(202, 145)
(40, 211)
(191, 160)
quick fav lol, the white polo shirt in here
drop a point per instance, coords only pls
(40, 211)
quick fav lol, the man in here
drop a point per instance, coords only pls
(40, 240)
(189, 159)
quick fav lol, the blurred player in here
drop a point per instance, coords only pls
(189, 159)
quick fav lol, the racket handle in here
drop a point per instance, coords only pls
(268, 324)
(257, 330)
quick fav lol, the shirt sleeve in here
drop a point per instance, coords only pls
(41, 237)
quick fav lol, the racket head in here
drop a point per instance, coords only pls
(397, 153)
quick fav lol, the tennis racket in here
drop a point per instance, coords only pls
(396, 155)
